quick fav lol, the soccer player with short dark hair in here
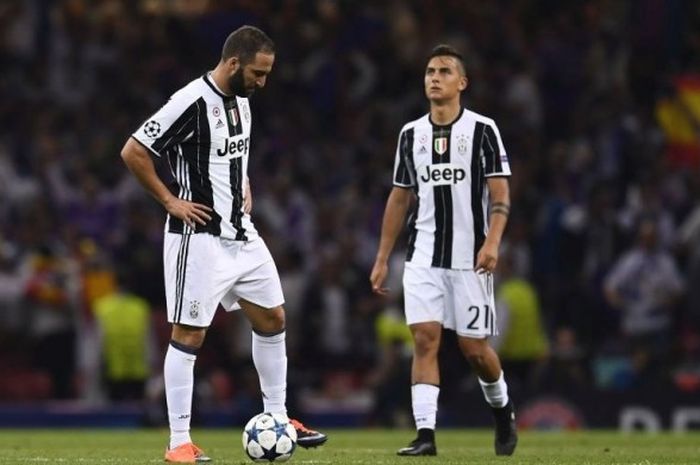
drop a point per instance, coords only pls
(453, 163)
(212, 253)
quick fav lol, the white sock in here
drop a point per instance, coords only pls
(424, 398)
(270, 359)
(496, 393)
(178, 372)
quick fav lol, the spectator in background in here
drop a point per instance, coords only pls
(287, 211)
(566, 370)
(689, 242)
(52, 296)
(522, 344)
(13, 279)
(331, 327)
(645, 284)
(391, 374)
(124, 323)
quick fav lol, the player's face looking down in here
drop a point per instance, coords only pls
(444, 79)
(245, 79)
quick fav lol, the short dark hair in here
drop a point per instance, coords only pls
(245, 42)
(443, 50)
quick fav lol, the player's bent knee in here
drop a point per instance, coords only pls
(271, 321)
(276, 319)
(190, 336)
(264, 320)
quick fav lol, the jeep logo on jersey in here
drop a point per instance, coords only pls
(441, 145)
(443, 174)
(233, 146)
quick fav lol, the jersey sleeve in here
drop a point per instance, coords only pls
(404, 169)
(171, 125)
(495, 160)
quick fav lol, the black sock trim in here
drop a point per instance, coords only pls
(269, 334)
(184, 348)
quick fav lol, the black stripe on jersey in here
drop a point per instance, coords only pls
(175, 224)
(412, 231)
(178, 131)
(477, 188)
(406, 174)
(180, 276)
(403, 171)
(492, 152)
(236, 181)
(442, 245)
(195, 154)
(233, 117)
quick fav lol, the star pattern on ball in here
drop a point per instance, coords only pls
(266, 438)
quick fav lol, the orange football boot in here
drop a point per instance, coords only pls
(186, 453)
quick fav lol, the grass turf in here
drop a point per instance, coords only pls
(375, 447)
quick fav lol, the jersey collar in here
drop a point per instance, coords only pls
(448, 125)
(210, 82)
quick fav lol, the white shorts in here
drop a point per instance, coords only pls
(461, 300)
(202, 271)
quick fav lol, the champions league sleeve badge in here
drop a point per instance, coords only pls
(152, 129)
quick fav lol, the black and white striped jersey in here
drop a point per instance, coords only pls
(447, 167)
(205, 136)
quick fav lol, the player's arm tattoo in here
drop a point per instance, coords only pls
(500, 208)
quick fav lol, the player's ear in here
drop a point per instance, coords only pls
(463, 83)
(233, 64)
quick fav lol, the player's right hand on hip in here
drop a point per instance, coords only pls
(189, 212)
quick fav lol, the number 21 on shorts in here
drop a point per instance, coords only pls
(480, 319)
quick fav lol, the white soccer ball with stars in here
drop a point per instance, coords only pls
(269, 437)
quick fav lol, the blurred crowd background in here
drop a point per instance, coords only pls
(598, 104)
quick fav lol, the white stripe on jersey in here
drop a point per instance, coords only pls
(186, 192)
(451, 218)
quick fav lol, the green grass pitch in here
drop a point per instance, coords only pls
(367, 446)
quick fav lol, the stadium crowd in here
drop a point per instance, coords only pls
(604, 239)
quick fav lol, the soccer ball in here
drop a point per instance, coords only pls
(269, 437)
